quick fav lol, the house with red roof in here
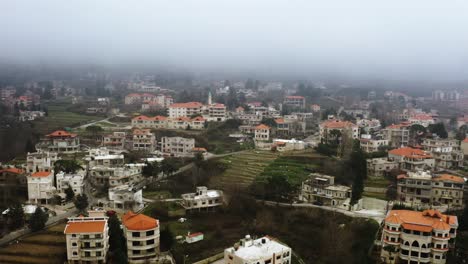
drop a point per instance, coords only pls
(142, 121)
(87, 238)
(331, 129)
(418, 237)
(185, 109)
(144, 140)
(59, 141)
(412, 158)
(142, 235)
(262, 133)
(41, 187)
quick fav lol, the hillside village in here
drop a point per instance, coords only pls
(231, 171)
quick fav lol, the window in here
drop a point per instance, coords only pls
(136, 234)
(75, 253)
(74, 244)
(150, 242)
(136, 243)
(98, 254)
(136, 252)
(150, 233)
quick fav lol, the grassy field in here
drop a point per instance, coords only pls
(242, 169)
(377, 182)
(59, 117)
(295, 168)
(48, 246)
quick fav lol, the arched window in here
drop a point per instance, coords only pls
(423, 246)
(415, 244)
(406, 243)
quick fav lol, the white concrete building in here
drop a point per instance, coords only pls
(196, 123)
(262, 133)
(328, 127)
(40, 161)
(126, 197)
(142, 235)
(264, 250)
(41, 186)
(60, 141)
(115, 176)
(73, 180)
(185, 109)
(446, 152)
(104, 157)
(116, 140)
(177, 146)
(202, 199)
(87, 238)
(370, 145)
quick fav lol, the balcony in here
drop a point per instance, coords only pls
(445, 249)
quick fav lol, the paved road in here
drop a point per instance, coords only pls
(363, 214)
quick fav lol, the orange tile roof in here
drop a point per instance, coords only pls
(61, 133)
(133, 95)
(337, 124)
(186, 105)
(85, 227)
(142, 117)
(410, 152)
(12, 170)
(217, 105)
(199, 149)
(421, 221)
(262, 126)
(41, 174)
(134, 221)
(182, 118)
(195, 234)
(279, 121)
(159, 118)
(398, 126)
(465, 140)
(422, 117)
(141, 131)
(198, 118)
(448, 177)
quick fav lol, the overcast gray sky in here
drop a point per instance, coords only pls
(395, 38)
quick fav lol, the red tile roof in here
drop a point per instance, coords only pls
(12, 170)
(421, 221)
(410, 152)
(262, 126)
(294, 97)
(61, 133)
(134, 221)
(422, 117)
(41, 174)
(186, 105)
(195, 234)
(398, 126)
(199, 149)
(141, 131)
(85, 227)
(279, 121)
(198, 118)
(133, 95)
(448, 177)
(337, 124)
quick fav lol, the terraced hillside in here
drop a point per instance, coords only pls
(243, 168)
(48, 246)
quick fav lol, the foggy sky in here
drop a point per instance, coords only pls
(397, 39)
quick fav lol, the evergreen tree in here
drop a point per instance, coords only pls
(464, 220)
(70, 194)
(16, 215)
(81, 202)
(117, 244)
(358, 169)
(167, 239)
(439, 130)
(38, 219)
(30, 146)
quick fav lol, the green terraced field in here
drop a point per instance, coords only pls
(59, 117)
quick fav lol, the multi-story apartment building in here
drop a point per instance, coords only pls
(73, 180)
(264, 250)
(40, 161)
(369, 125)
(144, 140)
(423, 188)
(448, 190)
(262, 133)
(185, 109)
(177, 146)
(446, 152)
(115, 176)
(196, 123)
(215, 112)
(320, 188)
(104, 157)
(59, 141)
(397, 135)
(202, 199)
(421, 119)
(126, 196)
(370, 145)
(445, 95)
(87, 238)
(331, 129)
(116, 140)
(13, 184)
(378, 167)
(142, 235)
(412, 158)
(417, 237)
(295, 101)
(41, 186)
